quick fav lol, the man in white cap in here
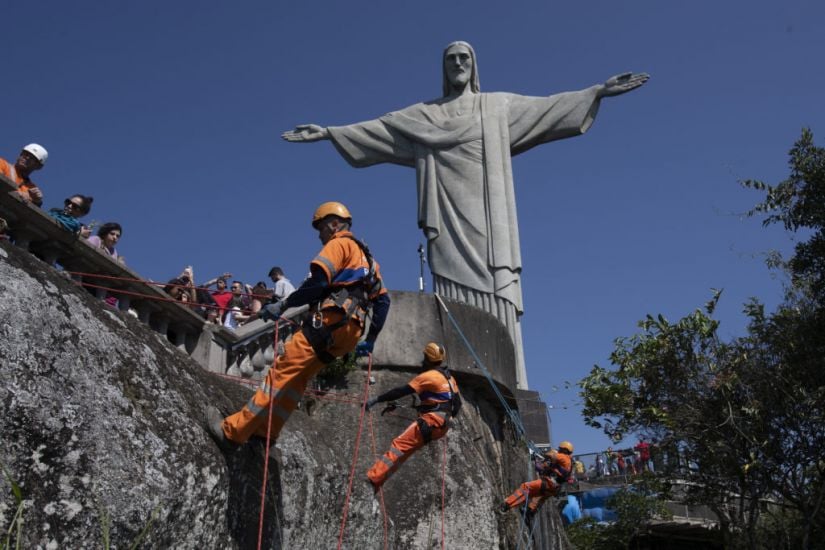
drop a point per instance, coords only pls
(32, 157)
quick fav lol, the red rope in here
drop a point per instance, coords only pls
(355, 454)
(380, 489)
(268, 436)
(155, 283)
(443, 484)
(185, 303)
(337, 397)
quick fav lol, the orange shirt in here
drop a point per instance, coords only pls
(23, 184)
(345, 264)
(432, 387)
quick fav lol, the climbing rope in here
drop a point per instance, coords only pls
(514, 417)
(380, 489)
(149, 282)
(268, 439)
(443, 487)
(188, 303)
(523, 522)
(355, 454)
(532, 529)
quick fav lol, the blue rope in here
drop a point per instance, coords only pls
(523, 520)
(532, 528)
(514, 416)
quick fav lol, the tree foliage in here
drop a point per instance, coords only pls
(798, 203)
(747, 415)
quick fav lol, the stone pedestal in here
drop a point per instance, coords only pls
(416, 318)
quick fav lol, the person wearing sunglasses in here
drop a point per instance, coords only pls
(74, 207)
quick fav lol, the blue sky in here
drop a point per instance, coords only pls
(169, 114)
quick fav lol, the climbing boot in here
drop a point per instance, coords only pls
(374, 486)
(503, 508)
(529, 516)
(214, 425)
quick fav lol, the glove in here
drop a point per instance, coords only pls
(370, 404)
(391, 406)
(271, 312)
(364, 348)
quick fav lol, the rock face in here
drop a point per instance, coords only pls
(101, 427)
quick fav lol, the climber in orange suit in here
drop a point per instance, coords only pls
(553, 470)
(440, 401)
(344, 285)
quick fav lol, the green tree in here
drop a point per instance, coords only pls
(798, 203)
(747, 415)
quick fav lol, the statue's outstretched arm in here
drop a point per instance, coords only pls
(306, 133)
(622, 83)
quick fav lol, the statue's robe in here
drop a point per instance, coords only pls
(466, 200)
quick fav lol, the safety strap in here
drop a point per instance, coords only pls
(446, 406)
(320, 335)
(321, 339)
(427, 430)
(359, 294)
(548, 483)
(368, 286)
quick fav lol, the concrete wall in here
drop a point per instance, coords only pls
(416, 318)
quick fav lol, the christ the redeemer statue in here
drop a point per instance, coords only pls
(460, 146)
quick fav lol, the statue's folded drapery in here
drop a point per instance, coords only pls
(466, 202)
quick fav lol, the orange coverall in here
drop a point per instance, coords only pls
(434, 391)
(552, 473)
(345, 265)
(23, 185)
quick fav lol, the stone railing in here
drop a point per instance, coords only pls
(216, 348)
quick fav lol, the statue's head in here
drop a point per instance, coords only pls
(459, 67)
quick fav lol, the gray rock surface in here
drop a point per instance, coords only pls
(100, 424)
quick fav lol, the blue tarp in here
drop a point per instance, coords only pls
(572, 511)
(590, 504)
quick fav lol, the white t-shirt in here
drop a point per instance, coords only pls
(229, 320)
(283, 288)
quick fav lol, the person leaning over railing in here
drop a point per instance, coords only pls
(107, 237)
(74, 207)
(181, 289)
(220, 296)
(31, 158)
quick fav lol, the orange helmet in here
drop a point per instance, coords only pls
(567, 446)
(434, 354)
(330, 209)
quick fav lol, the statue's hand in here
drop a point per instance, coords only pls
(306, 132)
(622, 83)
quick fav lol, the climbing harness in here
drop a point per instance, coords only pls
(353, 300)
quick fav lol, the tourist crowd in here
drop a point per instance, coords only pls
(230, 307)
(643, 457)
